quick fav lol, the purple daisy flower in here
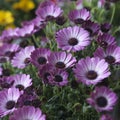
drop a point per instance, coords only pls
(28, 113)
(111, 54)
(22, 58)
(105, 40)
(37, 22)
(79, 16)
(44, 72)
(102, 99)
(26, 30)
(58, 78)
(9, 50)
(105, 27)
(61, 60)
(49, 12)
(39, 56)
(106, 117)
(26, 99)
(43, 4)
(91, 27)
(8, 100)
(6, 82)
(21, 81)
(91, 70)
(9, 34)
(72, 38)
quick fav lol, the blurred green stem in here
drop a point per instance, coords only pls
(113, 13)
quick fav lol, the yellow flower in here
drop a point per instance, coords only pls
(24, 5)
(6, 17)
(9, 26)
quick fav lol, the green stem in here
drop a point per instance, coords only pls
(34, 41)
(113, 13)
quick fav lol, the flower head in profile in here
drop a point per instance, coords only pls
(79, 16)
(105, 40)
(111, 54)
(72, 38)
(102, 99)
(92, 27)
(9, 50)
(22, 58)
(49, 12)
(90, 71)
(28, 113)
(61, 60)
(21, 81)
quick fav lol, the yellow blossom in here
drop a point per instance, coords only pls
(24, 5)
(9, 26)
(6, 17)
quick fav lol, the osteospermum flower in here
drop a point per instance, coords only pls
(105, 40)
(105, 27)
(111, 54)
(102, 99)
(39, 57)
(37, 22)
(106, 117)
(61, 60)
(9, 34)
(91, 27)
(6, 82)
(21, 81)
(8, 100)
(49, 12)
(9, 50)
(58, 78)
(26, 30)
(72, 38)
(44, 72)
(22, 58)
(79, 16)
(91, 70)
(28, 113)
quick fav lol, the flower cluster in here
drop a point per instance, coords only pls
(58, 63)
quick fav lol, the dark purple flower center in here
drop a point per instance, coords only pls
(7, 85)
(91, 75)
(101, 101)
(60, 65)
(27, 61)
(60, 20)
(46, 75)
(79, 21)
(103, 44)
(10, 104)
(58, 78)
(24, 43)
(27, 102)
(110, 59)
(8, 53)
(89, 30)
(42, 60)
(49, 18)
(73, 41)
(20, 87)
